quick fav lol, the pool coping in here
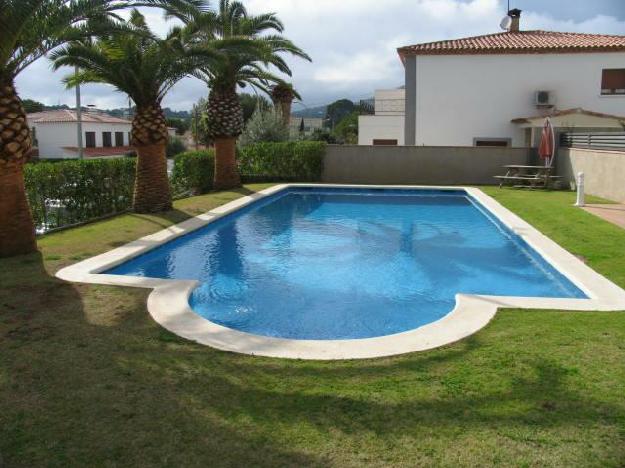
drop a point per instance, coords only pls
(168, 303)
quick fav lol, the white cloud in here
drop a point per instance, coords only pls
(365, 66)
(352, 43)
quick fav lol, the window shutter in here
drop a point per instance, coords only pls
(612, 80)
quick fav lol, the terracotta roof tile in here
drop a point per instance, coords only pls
(520, 42)
(66, 115)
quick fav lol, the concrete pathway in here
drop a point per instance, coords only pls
(614, 213)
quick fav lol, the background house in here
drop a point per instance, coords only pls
(491, 90)
(56, 137)
(55, 134)
(386, 125)
(310, 125)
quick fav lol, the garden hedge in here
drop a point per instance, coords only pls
(193, 172)
(293, 161)
(73, 191)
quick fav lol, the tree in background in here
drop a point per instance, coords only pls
(346, 131)
(282, 95)
(250, 103)
(181, 125)
(265, 125)
(338, 110)
(245, 49)
(198, 123)
(31, 106)
(322, 134)
(145, 68)
(175, 146)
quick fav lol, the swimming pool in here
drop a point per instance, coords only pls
(340, 263)
(344, 272)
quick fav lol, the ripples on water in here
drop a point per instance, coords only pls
(339, 264)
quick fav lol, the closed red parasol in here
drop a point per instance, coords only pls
(547, 143)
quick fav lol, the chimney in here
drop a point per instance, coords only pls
(516, 18)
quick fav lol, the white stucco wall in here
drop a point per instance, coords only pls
(52, 136)
(390, 101)
(387, 127)
(461, 97)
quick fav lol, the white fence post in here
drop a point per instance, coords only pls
(580, 190)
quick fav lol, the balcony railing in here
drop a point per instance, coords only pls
(605, 140)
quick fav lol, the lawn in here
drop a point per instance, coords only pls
(87, 378)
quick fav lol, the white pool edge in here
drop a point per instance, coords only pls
(168, 303)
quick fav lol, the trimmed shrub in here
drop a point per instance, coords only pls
(293, 161)
(75, 191)
(193, 172)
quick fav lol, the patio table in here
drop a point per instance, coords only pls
(525, 176)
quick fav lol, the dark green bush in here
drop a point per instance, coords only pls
(289, 161)
(175, 146)
(74, 191)
(193, 172)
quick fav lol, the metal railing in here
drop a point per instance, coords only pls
(366, 107)
(600, 140)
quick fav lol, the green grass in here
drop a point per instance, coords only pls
(87, 378)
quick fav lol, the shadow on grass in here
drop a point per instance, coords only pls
(26, 296)
(72, 393)
(86, 377)
(345, 396)
(174, 216)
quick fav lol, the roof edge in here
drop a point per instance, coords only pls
(409, 50)
(564, 112)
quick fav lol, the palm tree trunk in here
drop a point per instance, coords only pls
(226, 170)
(285, 111)
(149, 137)
(152, 193)
(17, 231)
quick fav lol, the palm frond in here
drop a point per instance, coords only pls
(133, 60)
(30, 29)
(242, 50)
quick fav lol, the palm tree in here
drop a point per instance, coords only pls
(145, 68)
(282, 95)
(30, 29)
(244, 50)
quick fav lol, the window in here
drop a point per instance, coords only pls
(90, 139)
(381, 142)
(107, 141)
(613, 81)
(119, 138)
(498, 142)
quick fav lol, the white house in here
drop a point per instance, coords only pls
(386, 126)
(310, 125)
(55, 134)
(493, 89)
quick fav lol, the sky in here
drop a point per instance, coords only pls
(352, 43)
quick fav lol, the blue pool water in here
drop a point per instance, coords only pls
(314, 263)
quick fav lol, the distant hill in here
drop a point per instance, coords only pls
(120, 112)
(319, 111)
(169, 113)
